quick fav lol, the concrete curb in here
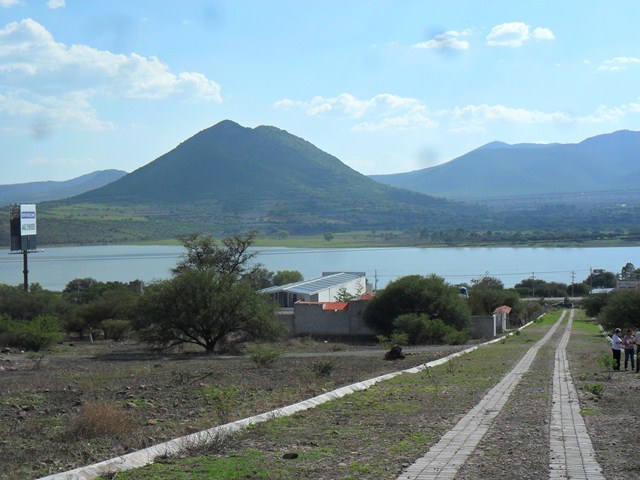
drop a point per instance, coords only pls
(146, 456)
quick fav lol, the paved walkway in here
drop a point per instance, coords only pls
(572, 454)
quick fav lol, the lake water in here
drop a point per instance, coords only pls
(53, 268)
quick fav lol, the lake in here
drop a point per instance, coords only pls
(54, 267)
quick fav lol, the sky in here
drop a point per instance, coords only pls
(386, 86)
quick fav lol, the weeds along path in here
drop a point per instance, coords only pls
(445, 458)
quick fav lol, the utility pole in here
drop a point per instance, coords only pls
(533, 284)
(573, 279)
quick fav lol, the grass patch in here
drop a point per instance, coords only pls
(371, 433)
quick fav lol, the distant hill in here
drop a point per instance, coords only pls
(35, 192)
(229, 177)
(609, 162)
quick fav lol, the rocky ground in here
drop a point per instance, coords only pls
(89, 402)
(369, 435)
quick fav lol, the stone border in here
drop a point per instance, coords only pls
(146, 456)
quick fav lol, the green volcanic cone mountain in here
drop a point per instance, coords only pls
(230, 177)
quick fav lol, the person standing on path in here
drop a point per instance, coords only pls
(629, 344)
(616, 348)
(637, 337)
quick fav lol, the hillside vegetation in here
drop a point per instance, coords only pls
(229, 179)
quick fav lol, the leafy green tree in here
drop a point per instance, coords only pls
(628, 271)
(420, 329)
(36, 335)
(601, 279)
(621, 310)
(118, 303)
(283, 277)
(594, 303)
(343, 296)
(419, 295)
(18, 304)
(328, 236)
(231, 255)
(204, 307)
(261, 278)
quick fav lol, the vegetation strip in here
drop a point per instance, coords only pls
(445, 458)
(146, 456)
(572, 454)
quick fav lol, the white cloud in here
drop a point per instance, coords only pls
(473, 118)
(449, 40)
(515, 34)
(381, 112)
(54, 4)
(9, 3)
(56, 77)
(480, 114)
(543, 34)
(618, 63)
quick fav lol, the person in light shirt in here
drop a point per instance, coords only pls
(616, 348)
(637, 337)
(629, 344)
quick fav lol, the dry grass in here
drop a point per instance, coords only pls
(98, 419)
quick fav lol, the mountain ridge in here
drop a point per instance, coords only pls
(601, 163)
(34, 192)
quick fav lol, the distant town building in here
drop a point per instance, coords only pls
(320, 289)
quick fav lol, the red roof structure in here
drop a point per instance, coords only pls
(503, 309)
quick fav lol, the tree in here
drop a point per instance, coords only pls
(622, 309)
(204, 307)
(283, 277)
(628, 271)
(343, 296)
(261, 278)
(231, 256)
(115, 304)
(594, 303)
(328, 236)
(416, 294)
(601, 279)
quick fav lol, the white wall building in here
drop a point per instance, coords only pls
(320, 289)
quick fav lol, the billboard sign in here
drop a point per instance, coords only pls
(27, 219)
(22, 221)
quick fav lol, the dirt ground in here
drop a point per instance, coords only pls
(89, 402)
(46, 424)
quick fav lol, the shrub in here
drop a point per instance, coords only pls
(395, 339)
(263, 356)
(35, 335)
(115, 329)
(97, 419)
(457, 338)
(420, 329)
(323, 368)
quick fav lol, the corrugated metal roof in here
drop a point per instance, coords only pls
(315, 285)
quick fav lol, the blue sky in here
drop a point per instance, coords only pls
(385, 86)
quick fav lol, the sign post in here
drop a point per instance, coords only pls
(22, 221)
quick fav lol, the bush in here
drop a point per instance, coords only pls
(457, 338)
(115, 329)
(323, 368)
(420, 329)
(96, 419)
(35, 335)
(264, 357)
(394, 339)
